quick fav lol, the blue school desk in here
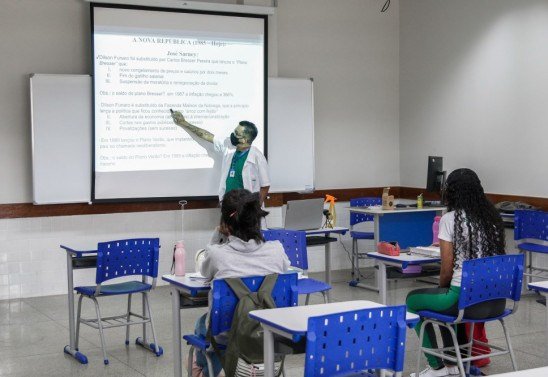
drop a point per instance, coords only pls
(191, 287)
(410, 227)
(402, 261)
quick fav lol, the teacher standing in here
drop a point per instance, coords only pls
(244, 166)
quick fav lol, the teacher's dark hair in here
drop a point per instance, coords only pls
(251, 131)
(464, 195)
(241, 212)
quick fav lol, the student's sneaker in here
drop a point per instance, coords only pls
(429, 372)
(453, 370)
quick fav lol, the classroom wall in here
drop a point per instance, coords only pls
(351, 51)
(348, 47)
(36, 37)
(474, 89)
(33, 264)
(357, 99)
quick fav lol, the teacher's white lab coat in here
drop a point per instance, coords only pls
(254, 173)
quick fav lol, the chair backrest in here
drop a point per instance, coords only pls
(294, 243)
(338, 344)
(137, 256)
(224, 300)
(491, 278)
(356, 218)
(531, 225)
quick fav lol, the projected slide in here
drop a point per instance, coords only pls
(209, 67)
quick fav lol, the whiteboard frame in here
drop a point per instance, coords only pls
(52, 175)
(309, 185)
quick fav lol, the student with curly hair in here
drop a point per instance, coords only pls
(472, 228)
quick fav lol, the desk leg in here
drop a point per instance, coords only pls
(376, 230)
(71, 348)
(528, 269)
(176, 325)
(328, 268)
(382, 282)
(268, 342)
(70, 272)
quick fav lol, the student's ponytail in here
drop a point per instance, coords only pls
(241, 211)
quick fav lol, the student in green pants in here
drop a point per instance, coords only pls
(472, 228)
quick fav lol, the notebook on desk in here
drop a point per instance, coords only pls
(304, 214)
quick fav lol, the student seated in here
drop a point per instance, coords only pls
(472, 228)
(238, 249)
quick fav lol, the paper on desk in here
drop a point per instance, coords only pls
(429, 251)
(195, 276)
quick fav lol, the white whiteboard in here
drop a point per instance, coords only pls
(61, 138)
(61, 113)
(291, 134)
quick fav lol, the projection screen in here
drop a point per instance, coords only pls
(146, 61)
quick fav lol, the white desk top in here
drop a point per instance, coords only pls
(295, 319)
(539, 285)
(187, 283)
(537, 372)
(404, 258)
(337, 229)
(380, 211)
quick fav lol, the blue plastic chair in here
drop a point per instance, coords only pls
(116, 259)
(294, 243)
(355, 342)
(357, 218)
(483, 280)
(224, 303)
(531, 236)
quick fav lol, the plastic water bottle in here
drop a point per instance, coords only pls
(436, 230)
(179, 257)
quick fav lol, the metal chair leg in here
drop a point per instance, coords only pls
(421, 338)
(325, 298)
(100, 325)
(307, 299)
(509, 345)
(78, 315)
(190, 361)
(354, 251)
(457, 350)
(145, 341)
(209, 365)
(128, 318)
(156, 348)
(470, 345)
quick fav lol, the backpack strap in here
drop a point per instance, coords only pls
(238, 286)
(268, 284)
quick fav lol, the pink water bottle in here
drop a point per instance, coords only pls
(179, 258)
(436, 230)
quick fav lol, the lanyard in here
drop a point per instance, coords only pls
(237, 158)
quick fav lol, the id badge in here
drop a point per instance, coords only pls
(232, 173)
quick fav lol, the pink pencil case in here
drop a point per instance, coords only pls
(413, 269)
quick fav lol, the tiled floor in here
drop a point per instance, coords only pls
(34, 331)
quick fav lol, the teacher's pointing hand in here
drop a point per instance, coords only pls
(178, 118)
